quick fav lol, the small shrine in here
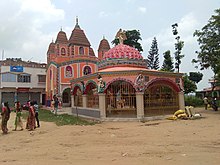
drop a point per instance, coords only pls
(123, 87)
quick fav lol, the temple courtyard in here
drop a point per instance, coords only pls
(158, 142)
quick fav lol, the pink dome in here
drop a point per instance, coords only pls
(122, 51)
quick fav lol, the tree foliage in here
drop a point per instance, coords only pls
(153, 57)
(209, 41)
(168, 62)
(189, 86)
(133, 37)
(178, 47)
(195, 76)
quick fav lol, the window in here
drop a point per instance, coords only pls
(69, 71)
(8, 77)
(41, 78)
(63, 51)
(81, 50)
(24, 78)
(86, 70)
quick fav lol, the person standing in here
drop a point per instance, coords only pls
(214, 104)
(31, 118)
(36, 109)
(56, 103)
(5, 117)
(206, 102)
(18, 120)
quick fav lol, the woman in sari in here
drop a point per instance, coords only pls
(31, 118)
(18, 120)
(5, 117)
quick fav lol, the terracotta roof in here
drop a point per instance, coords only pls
(78, 37)
(61, 38)
(122, 51)
(51, 48)
(91, 52)
(104, 45)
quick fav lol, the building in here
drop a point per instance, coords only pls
(68, 59)
(115, 84)
(124, 87)
(210, 92)
(22, 81)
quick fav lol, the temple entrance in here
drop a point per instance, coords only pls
(77, 93)
(120, 100)
(160, 99)
(66, 97)
(92, 95)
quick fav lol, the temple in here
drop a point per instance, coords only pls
(116, 84)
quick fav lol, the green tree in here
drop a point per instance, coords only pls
(189, 86)
(178, 47)
(209, 40)
(168, 62)
(133, 37)
(153, 57)
(195, 76)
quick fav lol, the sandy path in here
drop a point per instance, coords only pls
(164, 142)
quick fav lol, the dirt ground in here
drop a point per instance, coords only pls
(159, 142)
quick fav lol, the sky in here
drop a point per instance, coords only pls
(27, 27)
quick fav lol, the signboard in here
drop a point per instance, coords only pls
(16, 68)
(23, 89)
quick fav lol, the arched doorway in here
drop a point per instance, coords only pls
(77, 93)
(66, 97)
(92, 95)
(120, 99)
(160, 98)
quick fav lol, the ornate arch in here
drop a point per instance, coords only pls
(120, 79)
(75, 87)
(164, 81)
(87, 85)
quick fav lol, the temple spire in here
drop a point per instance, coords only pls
(77, 23)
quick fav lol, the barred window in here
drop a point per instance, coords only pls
(24, 78)
(41, 78)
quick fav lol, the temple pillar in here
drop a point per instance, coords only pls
(102, 105)
(140, 104)
(84, 100)
(72, 101)
(181, 100)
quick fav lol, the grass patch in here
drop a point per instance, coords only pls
(63, 119)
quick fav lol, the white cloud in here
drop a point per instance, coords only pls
(22, 29)
(41, 11)
(142, 9)
(186, 27)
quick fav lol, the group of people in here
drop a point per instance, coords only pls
(31, 119)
